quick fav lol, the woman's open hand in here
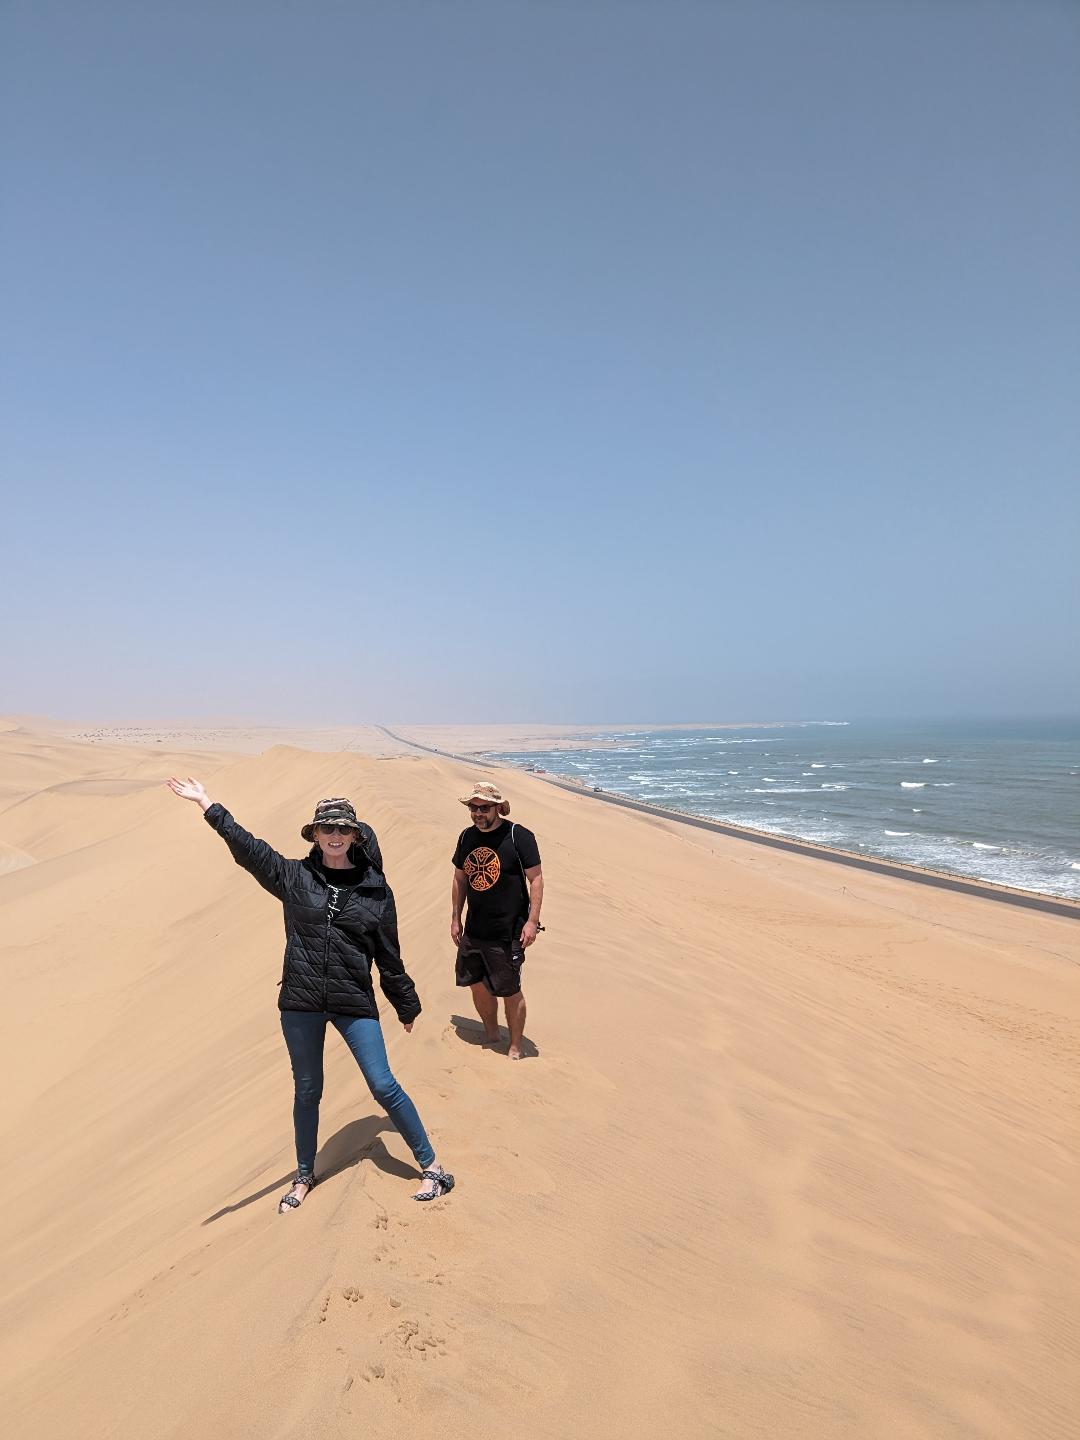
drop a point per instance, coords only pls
(189, 789)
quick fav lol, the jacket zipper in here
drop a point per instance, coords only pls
(326, 961)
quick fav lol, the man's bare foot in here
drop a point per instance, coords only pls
(491, 1039)
(515, 1053)
(294, 1198)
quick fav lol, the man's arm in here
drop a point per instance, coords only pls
(458, 890)
(535, 876)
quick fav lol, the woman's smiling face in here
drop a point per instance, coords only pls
(334, 842)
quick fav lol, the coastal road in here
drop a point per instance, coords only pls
(1025, 899)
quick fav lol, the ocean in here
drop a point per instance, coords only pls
(995, 800)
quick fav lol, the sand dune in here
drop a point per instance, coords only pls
(794, 1156)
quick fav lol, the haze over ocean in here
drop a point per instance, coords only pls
(595, 361)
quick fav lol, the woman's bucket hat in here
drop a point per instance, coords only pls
(487, 795)
(336, 811)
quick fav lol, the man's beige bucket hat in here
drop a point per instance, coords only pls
(487, 795)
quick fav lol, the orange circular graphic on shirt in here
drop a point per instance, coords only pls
(482, 867)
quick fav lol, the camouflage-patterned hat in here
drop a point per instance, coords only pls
(336, 811)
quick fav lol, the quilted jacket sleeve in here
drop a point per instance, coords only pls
(397, 986)
(258, 858)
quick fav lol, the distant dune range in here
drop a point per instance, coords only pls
(795, 1156)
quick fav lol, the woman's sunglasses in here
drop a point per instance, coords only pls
(337, 829)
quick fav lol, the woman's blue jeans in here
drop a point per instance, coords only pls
(305, 1031)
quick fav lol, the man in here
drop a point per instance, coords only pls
(497, 867)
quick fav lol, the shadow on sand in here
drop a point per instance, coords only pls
(359, 1140)
(472, 1032)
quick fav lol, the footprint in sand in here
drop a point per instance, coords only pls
(350, 1294)
(431, 1274)
(408, 1340)
(416, 1339)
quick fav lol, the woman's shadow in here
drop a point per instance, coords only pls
(356, 1141)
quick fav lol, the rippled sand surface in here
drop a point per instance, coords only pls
(793, 1154)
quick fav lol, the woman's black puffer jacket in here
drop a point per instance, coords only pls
(328, 959)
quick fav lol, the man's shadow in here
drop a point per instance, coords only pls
(356, 1141)
(472, 1032)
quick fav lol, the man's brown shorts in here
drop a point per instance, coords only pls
(496, 963)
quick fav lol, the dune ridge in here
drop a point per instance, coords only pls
(795, 1154)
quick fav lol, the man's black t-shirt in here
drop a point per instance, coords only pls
(498, 896)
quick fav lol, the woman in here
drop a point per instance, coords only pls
(339, 916)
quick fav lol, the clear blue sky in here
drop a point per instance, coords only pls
(556, 361)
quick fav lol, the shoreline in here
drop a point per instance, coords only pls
(919, 874)
(496, 741)
(916, 874)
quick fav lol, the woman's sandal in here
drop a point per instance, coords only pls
(291, 1201)
(444, 1183)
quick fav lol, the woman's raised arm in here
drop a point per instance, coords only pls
(190, 789)
(259, 859)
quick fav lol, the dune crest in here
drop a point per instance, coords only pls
(793, 1154)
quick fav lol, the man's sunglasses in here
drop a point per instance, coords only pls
(337, 829)
(481, 809)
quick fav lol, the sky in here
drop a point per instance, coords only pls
(568, 360)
